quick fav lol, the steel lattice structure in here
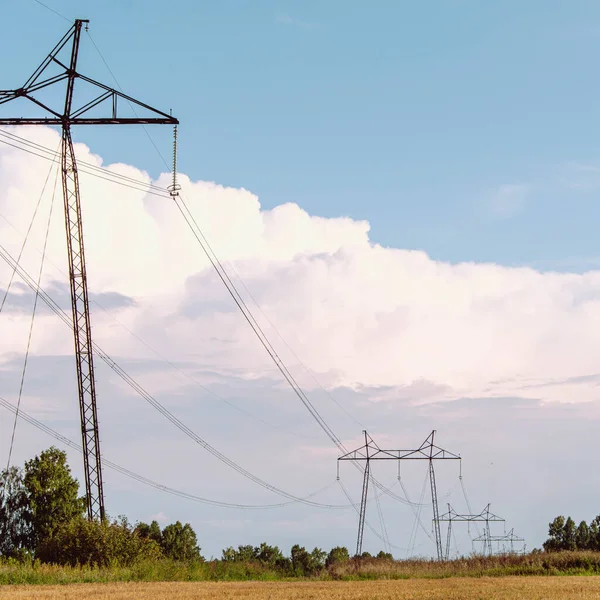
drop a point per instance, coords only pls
(70, 116)
(426, 451)
(507, 538)
(485, 516)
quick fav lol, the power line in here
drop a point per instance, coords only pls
(88, 169)
(373, 530)
(217, 265)
(310, 373)
(22, 249)
(113, 365)
(239, 301)
(136, 184)
(51, 10)
(140, 478)
(35, 303)
(167, 361)
(386, 540)
(197, 383)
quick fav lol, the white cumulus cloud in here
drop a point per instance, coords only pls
(356, 313)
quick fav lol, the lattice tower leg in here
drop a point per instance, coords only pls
(436, 513)
(363, 509)
(82, 331)
(448, 540)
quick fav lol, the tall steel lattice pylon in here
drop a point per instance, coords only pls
(371, 451)
(82, 115)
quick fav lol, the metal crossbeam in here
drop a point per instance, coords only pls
(66, 117)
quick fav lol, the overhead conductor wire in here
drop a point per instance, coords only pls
(35, 303)
(5, 255)
(140, 478)
(153, 189)
(236, 296)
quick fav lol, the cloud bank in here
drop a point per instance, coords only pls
(395, 335)
(356, 313)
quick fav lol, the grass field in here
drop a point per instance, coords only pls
(536, 564)
(484, 588)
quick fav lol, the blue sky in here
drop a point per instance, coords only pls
(464, 129)
(412, 116)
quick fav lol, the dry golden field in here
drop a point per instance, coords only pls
(485, 588)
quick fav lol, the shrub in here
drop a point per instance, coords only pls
(83, 542)
(337, 555)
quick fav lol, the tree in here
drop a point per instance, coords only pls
(82, 542)
(150, 532)
(337, 555)
(555, 535)
(179, 542)
(306, 563)
(52, 491)
(595, 534)
(381, 555)
(569, 540)
(242, 554)
(269, 555)
(582, 536)
(16, 530)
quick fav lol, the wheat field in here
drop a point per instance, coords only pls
(484, 588)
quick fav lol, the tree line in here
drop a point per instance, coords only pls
(564, 534)
(42, 517)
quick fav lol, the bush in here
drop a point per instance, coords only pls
(307, 564)
(83, 542)
(337, 555)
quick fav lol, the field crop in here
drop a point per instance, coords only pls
(484, 588)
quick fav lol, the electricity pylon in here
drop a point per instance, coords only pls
(509, 538)
(66, 117)
(426, 451)
(485, 516)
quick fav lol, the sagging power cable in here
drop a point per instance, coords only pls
(114, 366)
(217, 265)
(258, 331)
(140, 478)
(32, 321)
(166, 360)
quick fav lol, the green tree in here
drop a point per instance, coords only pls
(381, 555)
(52, 491)
(306, 563)
(300, 560)
(82, 542)
(555, 535)
(569, 538)
(179, 542)
(317, 560)
(16, 530)
(269, 555)
(582, 536)
(150, 532)
(337, 555)
(595, 534)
